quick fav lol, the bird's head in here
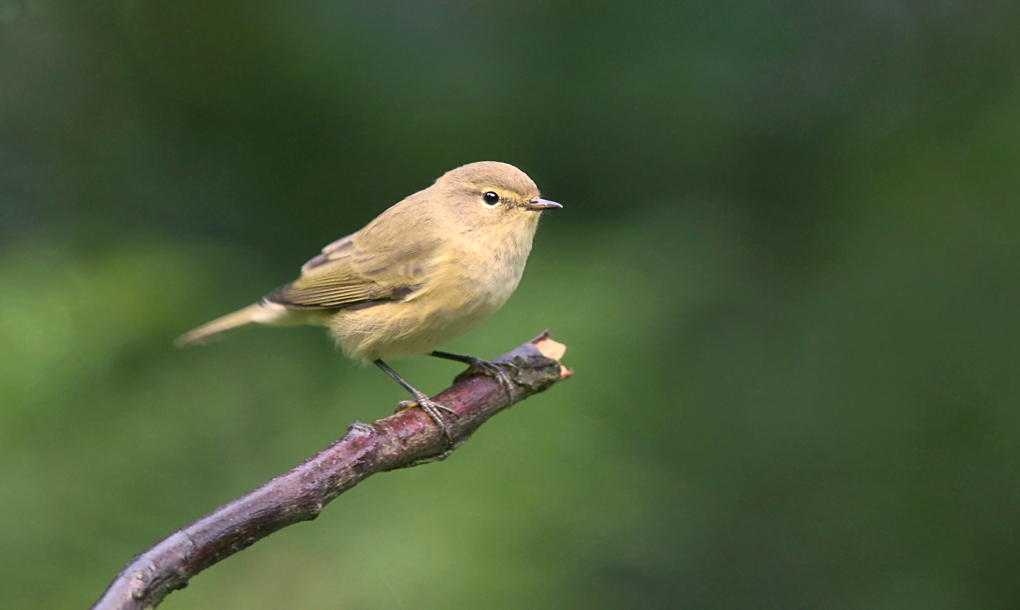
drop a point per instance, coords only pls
(489, 195)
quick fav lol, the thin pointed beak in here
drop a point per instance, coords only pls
(538, 205)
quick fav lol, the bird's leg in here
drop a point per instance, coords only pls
(428, 405)
(484, 367)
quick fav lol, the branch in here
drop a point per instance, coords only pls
(405, 439)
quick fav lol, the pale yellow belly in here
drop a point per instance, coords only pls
(417, 326)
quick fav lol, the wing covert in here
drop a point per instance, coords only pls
(344, 275)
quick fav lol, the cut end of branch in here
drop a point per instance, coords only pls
(552, 349)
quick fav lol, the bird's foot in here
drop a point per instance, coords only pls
(491, 369)
(434, 410)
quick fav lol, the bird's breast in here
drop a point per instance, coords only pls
(489, 274)
(463, 288)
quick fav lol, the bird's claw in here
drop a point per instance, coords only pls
(433, 409)
(491, 369)
(410, 404)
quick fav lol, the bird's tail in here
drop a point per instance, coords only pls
(252, 313)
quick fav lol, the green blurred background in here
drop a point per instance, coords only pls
(787, 273)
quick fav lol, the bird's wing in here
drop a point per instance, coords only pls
(332, 251)
(346, 273)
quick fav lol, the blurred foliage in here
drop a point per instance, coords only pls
(787, 272)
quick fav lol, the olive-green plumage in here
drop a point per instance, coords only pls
(424, 272)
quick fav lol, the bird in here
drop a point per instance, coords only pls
(422, 273)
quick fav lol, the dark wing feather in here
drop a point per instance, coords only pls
(344, 275)
(333, 251)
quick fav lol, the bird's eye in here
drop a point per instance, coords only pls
(490, 198)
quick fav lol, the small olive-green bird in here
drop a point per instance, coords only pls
(424, 272)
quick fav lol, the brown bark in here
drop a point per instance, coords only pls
(407, 438)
